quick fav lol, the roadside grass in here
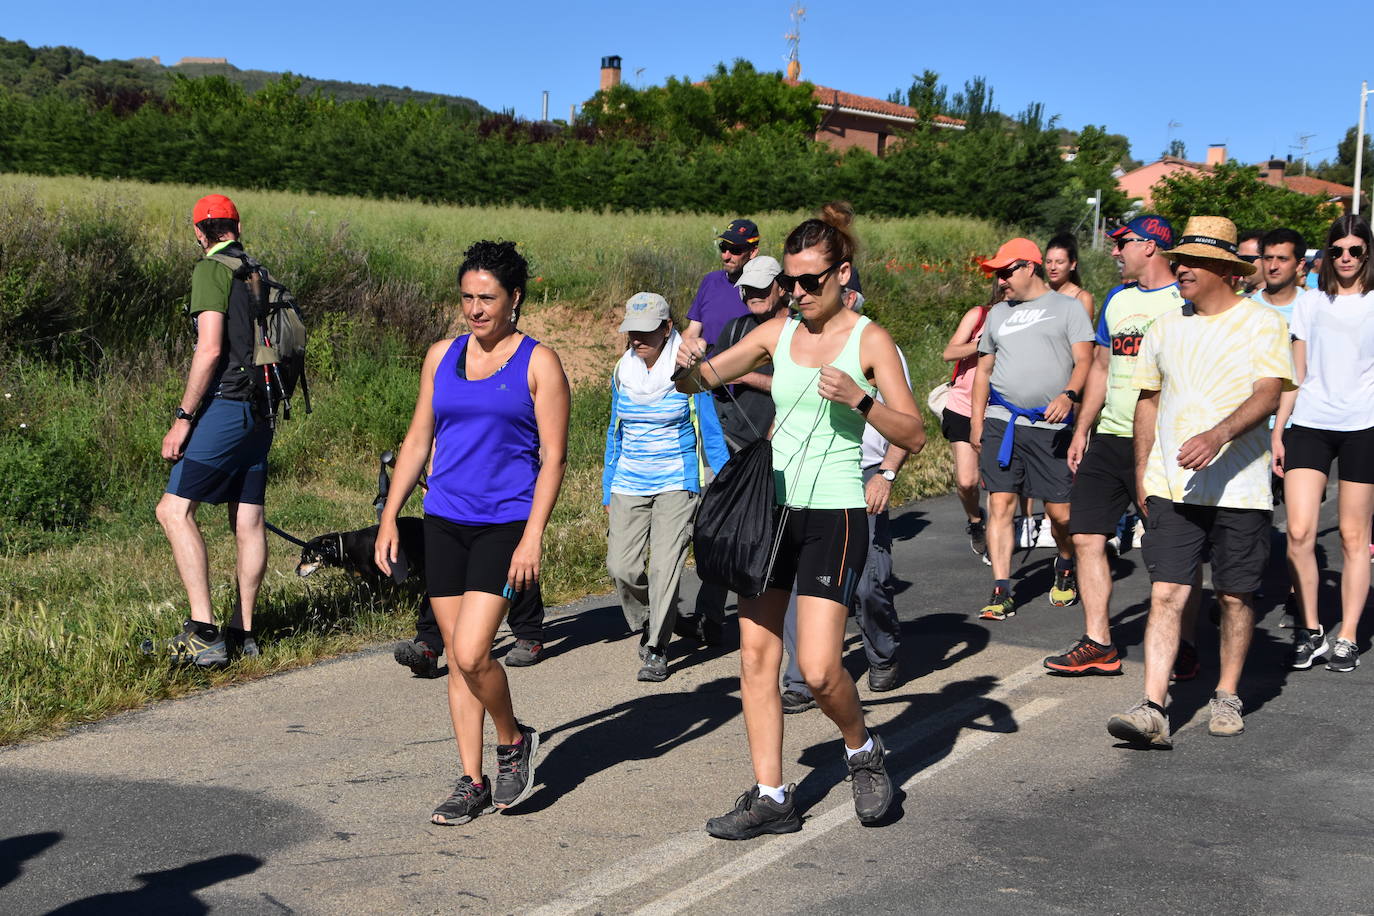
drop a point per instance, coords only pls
(85, 574)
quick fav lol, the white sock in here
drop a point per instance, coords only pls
(851, 751)
(774, 792)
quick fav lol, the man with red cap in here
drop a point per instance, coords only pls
(218, 444)
(1033, 361)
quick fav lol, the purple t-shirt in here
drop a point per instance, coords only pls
(718, 302)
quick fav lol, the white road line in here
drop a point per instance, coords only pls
(676, 901)
(667, 855)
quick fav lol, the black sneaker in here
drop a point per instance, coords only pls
(655, 666)
(198, 644)
(524, 653)
(239, 643)
(710, 632)
(515, 769)
(882, 678)
(794, 701)
(977, 535)
(755, 815)
(417, 656)
(1187, 665)
(466, 802)
(1308, 646)
(1345, 656)
(872, 788)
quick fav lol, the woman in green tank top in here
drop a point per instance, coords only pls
(828, 363)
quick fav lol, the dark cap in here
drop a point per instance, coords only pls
(740, 232)
(1149, 226)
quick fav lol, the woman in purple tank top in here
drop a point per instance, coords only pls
(493, 409)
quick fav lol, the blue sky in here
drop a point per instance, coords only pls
(1257, 81)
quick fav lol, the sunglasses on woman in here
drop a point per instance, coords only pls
(809, 282)
(1355, 251)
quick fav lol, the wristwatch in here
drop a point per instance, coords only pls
(180, 414)
(1073, 395)
(864, 406)
(887, 474)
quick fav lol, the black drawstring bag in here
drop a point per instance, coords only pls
(736, 525)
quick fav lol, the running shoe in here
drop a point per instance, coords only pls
(1308, 646)
(1141, 725)
(977, 535)
(466, 802)
(1186, 662)
(1026, 533)
(999, 607)
(198, 644)
(239, 643)
(882, 678)
(1226, 719)
(1086, 657)
(655, 666)
(1345, 656)
(868, 777)
(417, 656)
(515, 769)
(794, 701)
(755, 814)
(1064, 592)
(524, 653)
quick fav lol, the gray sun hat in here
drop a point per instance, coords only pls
(644, 312)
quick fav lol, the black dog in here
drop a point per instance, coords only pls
(353, 551)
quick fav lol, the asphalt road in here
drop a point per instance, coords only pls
(310, 792)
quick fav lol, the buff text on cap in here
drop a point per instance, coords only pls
(644, 312)
(1151, 227)
(1011, 252)
(214, 206)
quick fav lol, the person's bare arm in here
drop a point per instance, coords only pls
(693, 331)
(961, 343)
(1094, 396)
(552, 405)
(978, 399)
(411, 459)
(896, 416)
(1143, 432)
(1060, 406)
(753, 351)
(1287, 400)
(209, 346)
(1200, 450)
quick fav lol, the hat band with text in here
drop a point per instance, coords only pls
(1209, 241)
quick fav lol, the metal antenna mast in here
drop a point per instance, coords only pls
(794, 42)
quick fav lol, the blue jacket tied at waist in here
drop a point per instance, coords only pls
(1034, 414)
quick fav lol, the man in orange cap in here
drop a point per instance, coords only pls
(218, 444)
(1033, 361)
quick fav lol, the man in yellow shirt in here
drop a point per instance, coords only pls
(1209, 376)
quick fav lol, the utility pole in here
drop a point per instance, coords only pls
(544, 111)
(1359, 146)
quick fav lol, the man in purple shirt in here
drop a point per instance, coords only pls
(718, 300)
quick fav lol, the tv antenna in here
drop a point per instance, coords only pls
(798, 15)
(1302, 145)
(639, 76)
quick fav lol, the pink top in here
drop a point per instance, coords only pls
(962, 387)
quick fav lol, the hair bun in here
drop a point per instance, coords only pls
(838, 213)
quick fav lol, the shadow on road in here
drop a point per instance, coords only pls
(17, 850)
(169, 891)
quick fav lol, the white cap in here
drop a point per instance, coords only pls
(759, 272)
(644, 312)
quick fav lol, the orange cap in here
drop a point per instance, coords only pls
(1011, 252)
(214, 206)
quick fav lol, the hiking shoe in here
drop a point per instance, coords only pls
(1141, 725)
(524, 653)
(466, 802)
(1345, 656)
(1226, 721)
(199, 644)
(515, 769)
(999, 606)
(1086, 657)
(868, 776)
(1308, 646)
(977, 535)
(755, 814)
(1186, 662)
(239, 643)
(882, 678)
(417, 656)
(655, 666)
(795, 701)
(1064, 592)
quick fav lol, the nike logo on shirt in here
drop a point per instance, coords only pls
(1009, 328)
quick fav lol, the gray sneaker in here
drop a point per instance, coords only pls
(872, 787)
(515, 769)
(755, 814)
(1308, 646)
(977, 535)
(1226, 720)
(655, 666)
(1141, 725)
(198, 644)
(524, 653)
(1345, 656)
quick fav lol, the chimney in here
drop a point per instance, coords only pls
(610, 72)
(1216, 154)
(1274, 172)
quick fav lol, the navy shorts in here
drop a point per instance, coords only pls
(226, 459)
(1039, 462)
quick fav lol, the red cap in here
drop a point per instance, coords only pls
(214, 206)
(1011, 252)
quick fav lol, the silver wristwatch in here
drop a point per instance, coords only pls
(887, 474)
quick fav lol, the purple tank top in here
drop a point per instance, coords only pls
(486, 441)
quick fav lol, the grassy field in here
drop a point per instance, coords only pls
(85, 574)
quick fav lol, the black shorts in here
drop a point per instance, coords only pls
(468, 558)
(1039, 462)
(1315, 449)
(954, 426)
(1104, 487)
(823, 551)
(1178, 536)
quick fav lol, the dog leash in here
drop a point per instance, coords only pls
(282, 534)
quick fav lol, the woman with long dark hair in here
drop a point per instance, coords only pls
(1332, 413)
(493, 406)
(1061, 269)
(828, 363)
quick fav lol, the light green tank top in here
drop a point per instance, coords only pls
(817, 444)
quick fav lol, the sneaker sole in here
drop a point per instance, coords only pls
(793, 710)
(1343, 670)
(789, 826)
(651, 677)
(1105, 668)
(468, 818)
(1321, 653)
(1064, 602)
(521, 661)
(533, 738)
(1233, 734)
(1125, 731)
(994, 615)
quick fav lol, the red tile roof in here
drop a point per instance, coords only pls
(828, 97)
(1306, 184)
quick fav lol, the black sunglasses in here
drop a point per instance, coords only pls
(732, 248)
(809, 282)
(1355, 251)
(1123, 242)
(1004, 273)
(754, 292)
(1248, 258)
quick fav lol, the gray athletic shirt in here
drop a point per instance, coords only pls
(1033, 342)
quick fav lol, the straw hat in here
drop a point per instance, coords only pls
(1212, 238)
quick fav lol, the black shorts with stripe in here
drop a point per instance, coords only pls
(823, 552)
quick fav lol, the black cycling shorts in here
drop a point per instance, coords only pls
(1316, 449)
(464, 558)
(954, 426)
(823, 552)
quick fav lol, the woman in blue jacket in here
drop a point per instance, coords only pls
(653, 475)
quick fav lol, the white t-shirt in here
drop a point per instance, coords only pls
(874, 445)
(1338, 392)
